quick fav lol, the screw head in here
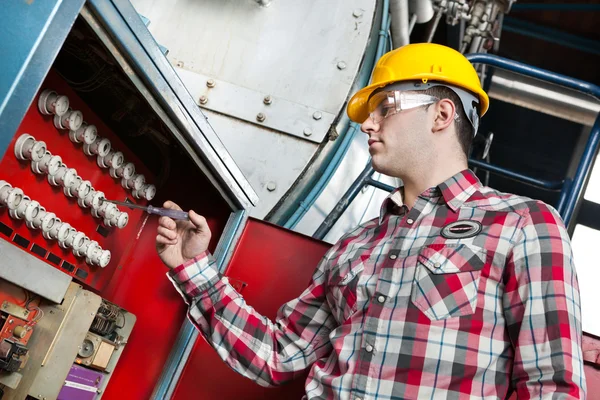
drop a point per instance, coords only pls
(341, 65)
(357, 13)
(203, 99)
(180, 64)
(267, 100)
(260, 117)
(211, 83)
(317, 115)
(271, 186)
(307, 131)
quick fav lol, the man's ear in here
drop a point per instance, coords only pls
(444, 115)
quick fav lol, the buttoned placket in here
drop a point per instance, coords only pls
(408, 221)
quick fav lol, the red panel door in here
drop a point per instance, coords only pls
(276, 264)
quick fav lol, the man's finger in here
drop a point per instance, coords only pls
(198, 220)
(171, 205)
(167, 233)
(160, 239)
(167, 223)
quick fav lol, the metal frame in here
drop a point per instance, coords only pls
(551, 35)
(127, 29)
(571, 189)
(188, 334)
(32, 33)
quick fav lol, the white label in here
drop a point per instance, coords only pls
(80, 386)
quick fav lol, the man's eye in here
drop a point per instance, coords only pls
(387, 110)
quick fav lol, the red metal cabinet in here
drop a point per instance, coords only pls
(276, 264)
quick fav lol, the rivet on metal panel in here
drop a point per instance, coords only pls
(357, 13)
(260, 117)
(307, 131)
(271, 186)
(203, 99)
(10, 321)
(267, 100)
(341, 65)
(317, 115)
(211, 83)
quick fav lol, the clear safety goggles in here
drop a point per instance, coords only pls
(384, 104)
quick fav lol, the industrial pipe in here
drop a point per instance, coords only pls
(400, 23)
(544, 97)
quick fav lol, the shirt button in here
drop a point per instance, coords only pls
(410, 221)
(393, 256)
(381, 299)
(369, 348)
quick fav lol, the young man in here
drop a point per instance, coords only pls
(455, 291)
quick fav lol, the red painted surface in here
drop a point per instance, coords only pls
(135, 278)
(277, 265)
(19, 174)
(140, 286)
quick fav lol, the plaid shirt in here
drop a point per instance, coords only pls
(408, 306)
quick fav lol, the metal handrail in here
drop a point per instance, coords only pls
(570, 194)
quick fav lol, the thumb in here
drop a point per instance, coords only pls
(199, 221)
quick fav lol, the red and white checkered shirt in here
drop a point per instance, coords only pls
(414, 304)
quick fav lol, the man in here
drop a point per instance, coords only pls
(455, 291)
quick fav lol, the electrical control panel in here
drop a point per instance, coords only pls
(86, 311)
(62, 164)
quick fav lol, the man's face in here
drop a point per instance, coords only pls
(400, 141)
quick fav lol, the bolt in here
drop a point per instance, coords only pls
(357, 13)
(317, 115)
(271, 186)
(341, 65)
(180, 64)
(267, 100)
(260, 117)
(203, 99)
(307, 131)
(210, 83)
(10, 321)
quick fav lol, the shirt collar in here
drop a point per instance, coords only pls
(455, 191)
(459, 188)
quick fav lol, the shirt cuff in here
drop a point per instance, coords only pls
(195, 276)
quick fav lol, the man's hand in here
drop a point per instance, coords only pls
(178, 242)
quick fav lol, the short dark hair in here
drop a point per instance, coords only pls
(464, 129)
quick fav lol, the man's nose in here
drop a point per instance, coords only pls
(369, 126)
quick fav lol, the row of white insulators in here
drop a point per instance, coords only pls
(21, 207)
(80, 132)
(43, 162)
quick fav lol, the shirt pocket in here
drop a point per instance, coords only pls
(446, 280)
(342, 295)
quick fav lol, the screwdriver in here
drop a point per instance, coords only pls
(167, 212)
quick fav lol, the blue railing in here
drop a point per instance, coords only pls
(570, 191)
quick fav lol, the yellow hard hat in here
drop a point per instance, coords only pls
(423, 62)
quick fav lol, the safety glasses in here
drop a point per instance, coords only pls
(387, 103)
